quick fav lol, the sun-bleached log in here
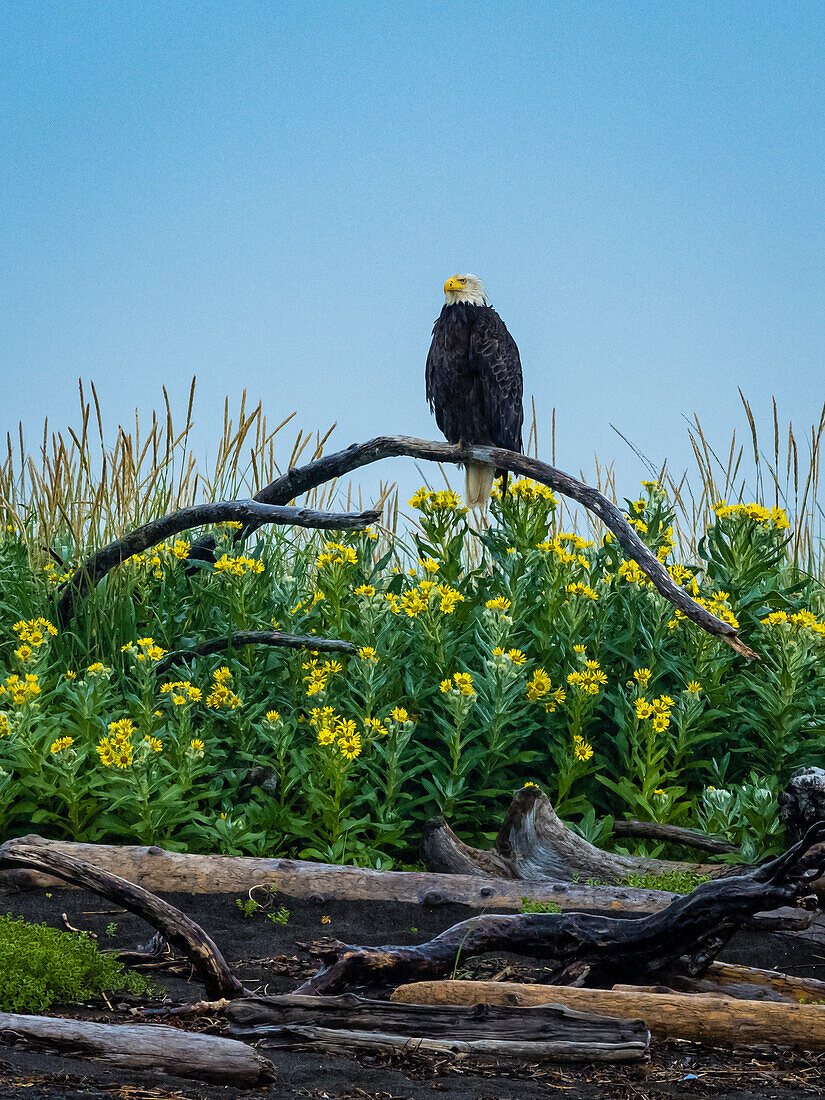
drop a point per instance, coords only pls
(300, 480)
(717, 1021)
(141, 1048)
(675, 834)
(179, 930)
(91, 571)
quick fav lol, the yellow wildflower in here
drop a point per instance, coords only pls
(60, 744)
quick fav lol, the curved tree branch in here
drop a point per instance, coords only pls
(252, 513)
(254, 637)
(304, 478)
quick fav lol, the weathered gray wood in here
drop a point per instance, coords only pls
(674, 834)
(534, 845)
(150, 1047)
(548, 1033)
(189, 938)
(274, 638)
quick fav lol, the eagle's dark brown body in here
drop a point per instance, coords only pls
(474, 383)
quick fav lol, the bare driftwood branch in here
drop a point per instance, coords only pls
(95, 567)
(304, 478)
(674, 834)
(188, 937)
(546, 1033)
(253, 637)
(153, 1047)
(750, 984)
(586, 947)
(717, 1021)
(534, 845)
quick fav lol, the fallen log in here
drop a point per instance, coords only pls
(534, 845)
(189, 938)
(153, 1047)
(587, 947)
(717, 1021)
(751, 983)
(155, 868)
(548, 1033)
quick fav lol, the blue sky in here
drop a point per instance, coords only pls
(271, 195)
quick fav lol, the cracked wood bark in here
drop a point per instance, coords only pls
(534, 845)
(548, 1033)
(182, 932)
(716, 1021)
(97, 565)
(751, 983)
(141, 1047)
(301, 479)
(602, 950)
(253, 637)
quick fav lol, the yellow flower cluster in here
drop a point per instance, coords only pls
(582, 750)
(318, 675)
(180, 550)
(539, 686)
(416, 600)
(632, 572)
(461, 682)
(367, 653)
(400, 715)
(797, 619)
(182, 692)
(365, 590)
(430, 565)
(526, 489)
(716, 605)
(220, 691)
(757, 513)
(498, 603)
(334, 553)
(20, 691)
(116, 750)
(34, 632)
(642, 677)
(445, 501)
(144, 649)
(4, 725)
(590, 680)
(239, 566)
(515, 656)
(60, 744)
(658, 709)
(579, 589)
(373, 725)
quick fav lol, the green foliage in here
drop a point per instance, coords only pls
(530, 906)
(248, 906)
(281, 917)
(43, 966)
(676, 882)
(518, 653)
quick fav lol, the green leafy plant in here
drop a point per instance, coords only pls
(43, 966)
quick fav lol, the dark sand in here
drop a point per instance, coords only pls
(267, 958)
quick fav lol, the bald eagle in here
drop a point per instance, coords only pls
(474, 384)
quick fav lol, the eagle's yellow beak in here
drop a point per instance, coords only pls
(453, 283)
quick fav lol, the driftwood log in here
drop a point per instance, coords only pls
(802, 802)
(717, 1021)
(97, 565)
(750, 983)
(547, 1033)
(141, 1047)
(155, 868)
(534, 845)
(181, 932)
(586, 947)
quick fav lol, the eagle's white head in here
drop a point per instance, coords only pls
(465, 288)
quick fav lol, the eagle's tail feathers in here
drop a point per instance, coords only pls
(479, 483)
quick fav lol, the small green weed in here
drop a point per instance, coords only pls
(248, 907)
(43, 966)
(111, 928)
(675, 882)
(281, 917)
(530, 906)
